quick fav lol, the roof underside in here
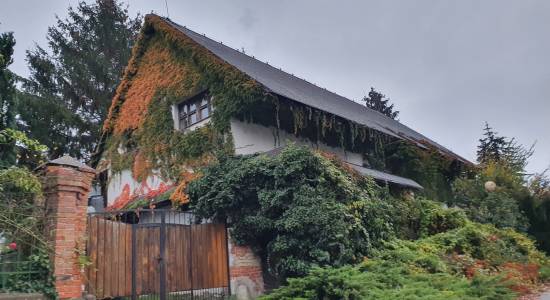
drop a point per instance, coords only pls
(377, 175)
(292, 87)
(386, 177)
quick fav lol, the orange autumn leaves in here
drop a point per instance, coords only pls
(157, 71)
(180, 196)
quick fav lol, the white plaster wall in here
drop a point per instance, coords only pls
(118, 181)
(253, 138)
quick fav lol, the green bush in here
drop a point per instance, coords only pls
(297, 209)
(22, 219)
(380, 279)
(544, 273)
(429, 268)
(500, 207)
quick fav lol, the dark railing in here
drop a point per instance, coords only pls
(20, 273)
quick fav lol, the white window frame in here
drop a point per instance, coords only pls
(183, 112)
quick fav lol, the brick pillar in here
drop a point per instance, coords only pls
(66, 185)
(245, 272)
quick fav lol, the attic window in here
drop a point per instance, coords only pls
(194, 110)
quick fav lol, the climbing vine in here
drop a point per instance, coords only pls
(297, 209)
(168, 67)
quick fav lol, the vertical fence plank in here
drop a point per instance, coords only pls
(195, 257)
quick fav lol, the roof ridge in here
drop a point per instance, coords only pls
(280, 69)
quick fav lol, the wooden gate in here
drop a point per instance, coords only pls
(156, 253)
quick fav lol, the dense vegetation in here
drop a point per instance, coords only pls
(21, 209)
(72, 81)
(306, 213)
(471, 262)
(301, 210)
(297, 209)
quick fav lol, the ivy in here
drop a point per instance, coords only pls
(298, 209)
(167, 67)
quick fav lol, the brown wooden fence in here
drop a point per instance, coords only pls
(166, 257)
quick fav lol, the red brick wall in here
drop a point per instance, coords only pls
(66, 190)
(245, 270)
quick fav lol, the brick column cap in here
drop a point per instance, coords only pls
(69, 161)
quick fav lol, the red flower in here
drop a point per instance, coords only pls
(12, 246)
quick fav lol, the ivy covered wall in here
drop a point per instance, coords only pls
(168, 67)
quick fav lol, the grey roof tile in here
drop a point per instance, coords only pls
(292, 87)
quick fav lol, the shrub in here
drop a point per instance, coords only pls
(379, 279)
(501, 207)
(298, 209)
(474, 261)
(22, 219)
(436, 219)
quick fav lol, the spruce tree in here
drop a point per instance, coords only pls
(72, 82)
(378, 102)
(491, 146)
(7, 99)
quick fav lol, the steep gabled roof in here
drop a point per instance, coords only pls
(294, 88)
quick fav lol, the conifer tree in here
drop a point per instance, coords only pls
(378, 102)
(491, 146)
(500, 149)
(7, 98)
(73, 81)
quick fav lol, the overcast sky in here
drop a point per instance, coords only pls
(448, 66)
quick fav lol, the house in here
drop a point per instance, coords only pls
(185, 96)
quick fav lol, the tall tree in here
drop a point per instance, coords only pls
(378, 101)
(491, 146)
(7, 98)
(72, 83)
(499, 149)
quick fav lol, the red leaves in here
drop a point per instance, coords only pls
(12, 246)
(143, 192)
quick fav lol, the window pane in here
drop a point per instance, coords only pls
(204, 101)
(192, 118)
(204, 112)
(183, 123)
(192, 107)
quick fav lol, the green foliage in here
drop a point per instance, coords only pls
(544, 273)
(33, 275)
(429, 268)
(155, 137)
(491, 146)
(379, 103)
(381, 279)
(500, 207)
(537, 209)
(22, 219)
(298, 209)
(71, 85)
(482, 242)
(427, 167)
(436, 219)
(21, 214)
(499, 149)
(7, 96)
(27, 151)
